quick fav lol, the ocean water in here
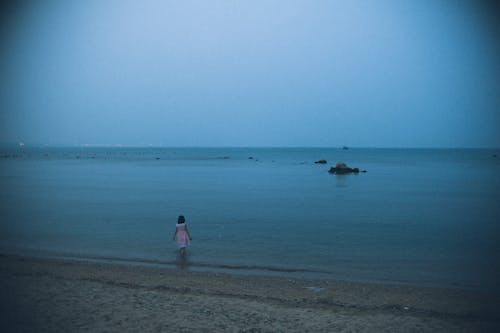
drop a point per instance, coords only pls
(419, 216)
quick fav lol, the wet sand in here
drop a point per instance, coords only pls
(54, 295)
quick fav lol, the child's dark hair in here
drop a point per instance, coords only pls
(181, 219)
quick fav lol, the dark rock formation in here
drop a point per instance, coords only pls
(343, 169)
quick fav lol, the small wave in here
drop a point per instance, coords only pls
(216, 266)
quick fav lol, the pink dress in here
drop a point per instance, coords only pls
(182, 235)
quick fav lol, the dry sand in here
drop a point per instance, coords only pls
(53, 295)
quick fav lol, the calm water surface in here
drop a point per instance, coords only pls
(425, 217)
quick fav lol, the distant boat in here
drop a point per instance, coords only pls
(345, 148)
(21, 144)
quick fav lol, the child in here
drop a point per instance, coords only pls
(182, 233)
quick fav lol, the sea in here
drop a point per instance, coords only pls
(424, 217)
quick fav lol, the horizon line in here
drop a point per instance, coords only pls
(119, 145)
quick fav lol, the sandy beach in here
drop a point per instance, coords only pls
(55, 295)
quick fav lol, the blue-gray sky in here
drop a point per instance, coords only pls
(251, 73)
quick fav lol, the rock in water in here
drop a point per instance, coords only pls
(342, 169)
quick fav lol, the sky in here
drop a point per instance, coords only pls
(374, 73)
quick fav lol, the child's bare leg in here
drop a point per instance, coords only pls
(182, 250)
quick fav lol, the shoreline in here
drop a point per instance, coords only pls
(59, 295)
(284, 272)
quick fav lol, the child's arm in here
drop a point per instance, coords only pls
(175, 233)
(189, 235)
